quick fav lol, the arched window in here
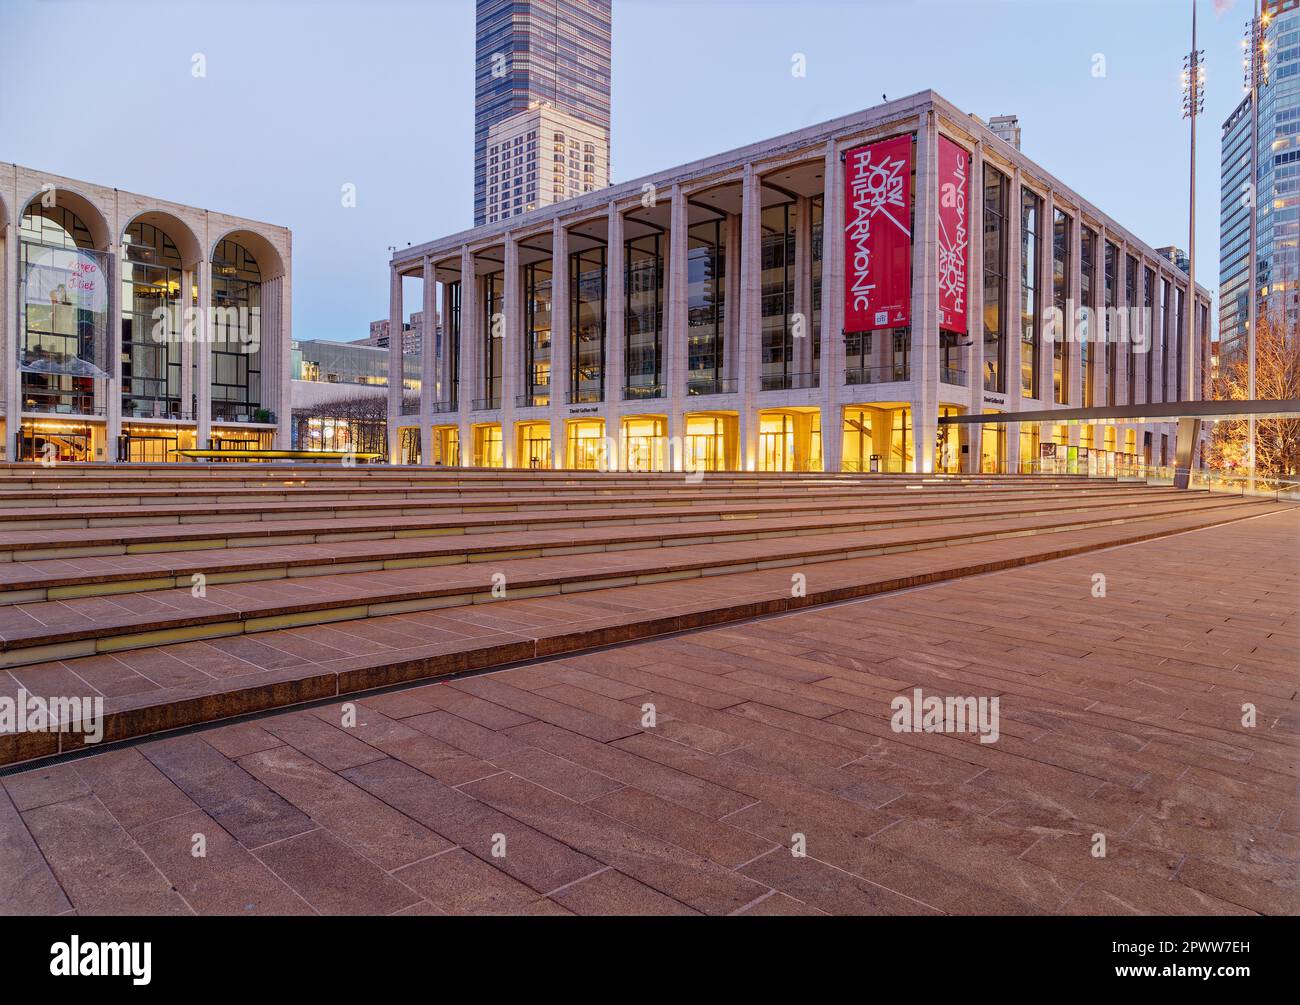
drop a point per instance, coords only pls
(235, 333)
(151, 324)
(63, 301)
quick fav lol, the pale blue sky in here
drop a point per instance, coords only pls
(303, 97)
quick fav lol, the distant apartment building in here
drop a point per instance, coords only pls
(1007, 128)
(530, 52)
(542, 156)
(1271, 174)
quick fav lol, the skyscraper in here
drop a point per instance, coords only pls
(535, 53)
(1275, 167)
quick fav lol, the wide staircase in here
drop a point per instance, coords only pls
(183, 595)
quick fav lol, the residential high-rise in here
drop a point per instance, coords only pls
(1276, 173)
(542, 156)
(535, 52)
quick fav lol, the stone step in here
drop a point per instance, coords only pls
(57, 630)
(149, 691)
(138, 527)
(24, 582)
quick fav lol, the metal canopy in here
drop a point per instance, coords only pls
(1166, 411)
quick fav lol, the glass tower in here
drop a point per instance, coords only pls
(1277, 187)
(530, 52)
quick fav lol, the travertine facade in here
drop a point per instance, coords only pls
(705, 341)
(106, 417)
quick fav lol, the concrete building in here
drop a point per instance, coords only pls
(543, 156)
(534, 52)
(1273, 169)
(134, 327)
(705, 322)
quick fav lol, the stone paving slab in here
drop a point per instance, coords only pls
(543, 789)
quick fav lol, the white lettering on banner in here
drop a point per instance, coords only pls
(878, 188)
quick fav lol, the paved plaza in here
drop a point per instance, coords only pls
(681, 697)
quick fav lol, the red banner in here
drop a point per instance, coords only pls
(954, 234)
(878, 235)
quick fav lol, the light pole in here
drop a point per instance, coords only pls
(1257, 77)
(1193, 105)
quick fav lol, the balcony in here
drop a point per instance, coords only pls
(240, 411)
(64, 405)
(711, 385)
(151, 409)
(788, 381)
(952, 375)
(584, 397)
(484, 404)
(410, 407)
(443, 406)
(637, 392)
(537, 399)
(890, 374)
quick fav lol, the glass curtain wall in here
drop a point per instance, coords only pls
(63, 312)
(1061, 266)
(152, 300)
(644, 288)
(587, 321)
(778, 278)
(1031, 211)
(235, 334)
(706, 289)
(537, 334)
(493, 305)
(995, 278)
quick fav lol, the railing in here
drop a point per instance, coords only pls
(635, 392)
(154, 410)
(239, 411)
(952, 375)
(711, 385)
(410, 408)
(534, 400)
(78, 406)
(788, 381)
(580, 397)
(444, 406)
(1247, 485)
(889, 374)
(483, 404)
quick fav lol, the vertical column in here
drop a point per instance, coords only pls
(203, 346)
(803, 345)
(974, 354)
(615, 323)
(925, 298)
(561, 339)
(512, 363)
(12, 330)
(1073, 359)
(184, 316)
(1046, 300)
(428, 357)
(113, 386)
(470, 336)
(731, 299)
(394, 362)
(832, 359)
(749, 337)
(1121, 336)
(284, 411)
(676, 368)
(1140, 333)
(1011, 322)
